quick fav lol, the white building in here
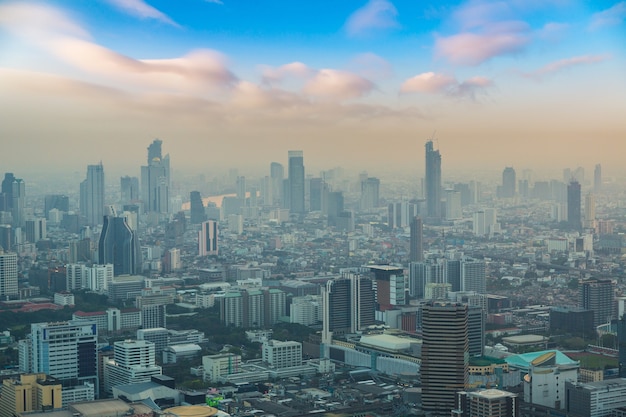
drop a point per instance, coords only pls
(306, 310)
(278, 354)
(64, 298)
(133, 362)
(217, 367)
(8, 274)
(173, 354)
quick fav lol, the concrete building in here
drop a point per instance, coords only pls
(30, 392)
(595, 399)
(8, 275)
(279, 354)
(133, 362)
(218, 366)
(486, 403)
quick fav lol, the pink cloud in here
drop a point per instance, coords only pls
(470, 48)
(337, 84)
(562, 64)
(435, 83)
(612, 16)
(375, 15)
(371, 66)
(273, 75)
(35, 21)
(142, 10)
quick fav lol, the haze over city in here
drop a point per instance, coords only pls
(359, 84)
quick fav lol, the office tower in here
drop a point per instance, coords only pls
(605, 398)
(133, 362)
(129, 189)
(196, 208)
(8, 275)
(487, 403)
(92, 195)
(35, 230)
(316, 187)
(296, 182)
(253, 197)
(153, 316)
(485, 222)
(56, 201)
(241, 189)
(18, 195)
(453, 205)
(348, 304)
(119, 246)
(29, 393)
(155, 180)
(433, 182)
(431, 271)
(65, 350)
(621, 345)
(390, 286)
(597, 178)
(400, 214)
(476, 330)
(573, 206)
(6, 237)
(334, 206)
(590, 211)
(279, 354)
(277, 176)
(445, 356)
(6, 196)
(208, 238)
(597, 295)
(508, 183)
(473, 275)
(416, 251)
(370, 190)
(157, 335)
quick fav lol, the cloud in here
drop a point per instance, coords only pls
(142, 10)
(215, 1)
(371, 66)
(552, 31)
(34, 21)
(612, 16)
(330, 83)
(375, 15)
(562, 64)
(436, 83)
(275, 75)
(474, 48)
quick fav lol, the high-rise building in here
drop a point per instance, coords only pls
(35, 230)
(597, 178)
(431, 271)
(241, 190)
(597, 295)
(390, 286)
(18, 194)
(370, 194)
(454, 209)
(574, 218)
(487, 403)
(595, 399)
(473, 275)
(348, 304)
(67, 351)
(92, 195)
(6, 237)
(282, 354)
(277, 176)
(590, 211)
(508, 183)
(433, 182)
(155, 180)
(119, 246)
(296, 182)
(445, 356)
(129, 189)
(30, 393)
(416, 250)
(334, 207)
(56, 201)
(621, 345)
(6, 194)
(196, 208)
(8, 275)
(485, 222)
(208, 238)
(133, 362)
(316, 187)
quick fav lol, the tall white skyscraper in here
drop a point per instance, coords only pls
(8, 275)
(155, 180)
(92, 195)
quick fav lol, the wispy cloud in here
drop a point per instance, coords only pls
(371, 66)
(142, 10)
(34, 21)
(214, 1)
(336, 84)
(557, 66)
(612, 16)
(474, 48)
(375, 15)
(276, 75)
(437, 83)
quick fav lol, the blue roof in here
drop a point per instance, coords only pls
(524, 360)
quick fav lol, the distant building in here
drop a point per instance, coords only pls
(595, 399)
(349, 304)
(155, 180)
(433, 182)
(8, 275)
(508, 183)
(92, 195)
(208, 238)
(119, 246)
(296, 182)
(369, 194)
(574, 217)
(597, 295)
(416, 250)
(278, 354)
(28, 393)
(133, 362)
(196, 208)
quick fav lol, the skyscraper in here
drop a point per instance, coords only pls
(369, 194)
(155, 180)
(433, 182)
(208, 239)
(65, 350)
(6, 196)
(590, 211)
(296, 182)
(129, 189)
(508, 183)
(416, 252)
(445, 355)
(473, 275)
(573, 206)
(316, 187)
(597, 295)
(133, 362)
(277, 175)
(8, 275)
(390, 286)
(18, 195)
(241, 190)
(119, 246)
(348, 303)
(92, 195)
(196, 208)
(597, 178)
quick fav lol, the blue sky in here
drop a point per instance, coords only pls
(497, 80)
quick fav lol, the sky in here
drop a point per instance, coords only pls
(359, 84)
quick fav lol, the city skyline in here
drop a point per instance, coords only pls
(501, 82)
